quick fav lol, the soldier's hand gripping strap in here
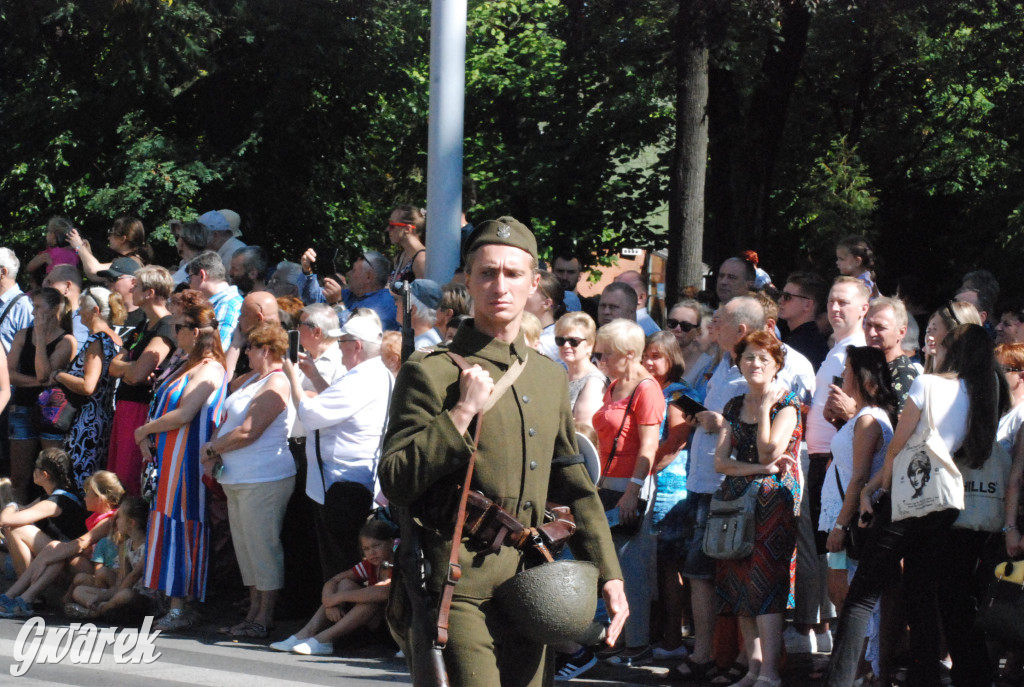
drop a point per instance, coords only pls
(454, 569)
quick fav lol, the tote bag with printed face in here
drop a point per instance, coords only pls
(924, 477)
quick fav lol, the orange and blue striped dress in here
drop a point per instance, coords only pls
(177, 538)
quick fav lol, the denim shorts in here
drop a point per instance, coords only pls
(695, 514)
(20, 427)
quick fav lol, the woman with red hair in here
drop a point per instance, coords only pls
(757, 449)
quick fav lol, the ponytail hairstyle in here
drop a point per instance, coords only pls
(410, 214)
(970, 357)
(111, 305)
(873, 379)
(57, 465)
(106, 485)
(207, 345)
(61, 227)
(858, 247)
(133, 232)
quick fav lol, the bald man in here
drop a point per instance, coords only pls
(639, 283)
(257, 307)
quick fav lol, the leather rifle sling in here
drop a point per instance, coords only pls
(454, 569)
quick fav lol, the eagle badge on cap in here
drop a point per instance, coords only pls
(504, 231)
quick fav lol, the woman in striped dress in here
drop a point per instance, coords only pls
(185, 411)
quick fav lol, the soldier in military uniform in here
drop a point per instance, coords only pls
(527, 456)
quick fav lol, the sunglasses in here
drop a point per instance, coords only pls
(404, 225)
(786, 296)
(948, 307)
(685, 326)
(179, 327)
(571, 340)
(596, 357)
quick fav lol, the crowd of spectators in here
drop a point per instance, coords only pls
(222, 389)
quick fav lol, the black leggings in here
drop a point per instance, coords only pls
(918, 542)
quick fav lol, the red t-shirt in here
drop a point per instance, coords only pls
(647, 408)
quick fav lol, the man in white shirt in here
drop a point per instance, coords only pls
(345, 423)
(847, 307)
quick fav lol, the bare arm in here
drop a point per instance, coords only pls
(589, 401)
(5, 381)
(17, 378)
(883, 479)
(40, 510)
(47, 364)
(90, 265)
(69, 549)
(1013, 539)
(91, 371)
(198, 390)
(138, 371)
(377, 593)
(42, 258)
(263, 410)
(726, 465)
(678, 434)
(867, 435)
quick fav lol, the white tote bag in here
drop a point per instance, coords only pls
(924, 477)
(985, 492)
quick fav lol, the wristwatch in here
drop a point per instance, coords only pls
(1008, 528)
(844, 528)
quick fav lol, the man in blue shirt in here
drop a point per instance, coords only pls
(366, 286)
(15, 309)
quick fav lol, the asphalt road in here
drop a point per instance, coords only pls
(205, 658)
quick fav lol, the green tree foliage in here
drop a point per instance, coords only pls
(310, 119)
(835, 201)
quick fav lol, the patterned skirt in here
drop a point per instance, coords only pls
(759, 584)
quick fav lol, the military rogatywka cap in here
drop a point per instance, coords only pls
(504, 231)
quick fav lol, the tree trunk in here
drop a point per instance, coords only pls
(686, 204)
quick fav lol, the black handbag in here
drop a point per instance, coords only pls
(856, 536)
(1001, 613)
(609, 501)
(56, 409)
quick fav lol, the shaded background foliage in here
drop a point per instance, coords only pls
(895, 119)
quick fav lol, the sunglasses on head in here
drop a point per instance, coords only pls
(948, 307)
(571, 340)
(685, 326)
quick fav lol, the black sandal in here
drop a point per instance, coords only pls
(730, 675)
(698, 671)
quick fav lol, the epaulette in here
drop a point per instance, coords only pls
(422, 354)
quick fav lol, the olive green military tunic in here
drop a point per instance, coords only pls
(425, 457)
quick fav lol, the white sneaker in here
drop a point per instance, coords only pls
(823, 641)
(311, 647)
(797, 643)
(286, 644)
